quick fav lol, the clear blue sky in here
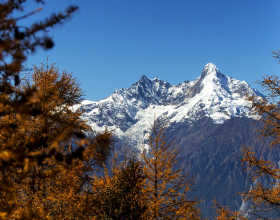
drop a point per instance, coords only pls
(109, 44)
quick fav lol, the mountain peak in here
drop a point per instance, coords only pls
(212, 94)
(143, 78)
(210, 65)
(156, 79)
(210, 69)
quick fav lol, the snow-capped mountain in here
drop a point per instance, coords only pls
(210, 119)
(129, 111)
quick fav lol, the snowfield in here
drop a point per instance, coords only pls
(130, 111)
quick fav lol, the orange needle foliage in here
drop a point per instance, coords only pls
(46, 188)
(223, 213)
(66, 195)
(264, 195)
(19, 146)
(120, 196)
(166, 188)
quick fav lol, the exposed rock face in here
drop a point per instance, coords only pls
(212, 153)
(209, 118)
(212, 94)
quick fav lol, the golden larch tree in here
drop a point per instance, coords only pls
(65, 195)
(265, 197)
(121, 195)
(55, 188)
(265, 192)
(19, 148)
(223, 213)
(166, 186)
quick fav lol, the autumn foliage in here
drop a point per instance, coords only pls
(52, 165)
(24, 143)
(265, 197)
(166, 187)
(58, 169)
(119, 193)
(265, 192)
(223, 213)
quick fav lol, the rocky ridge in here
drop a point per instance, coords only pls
(210, 119)
(129, 111)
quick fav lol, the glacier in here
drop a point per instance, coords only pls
(129, 112)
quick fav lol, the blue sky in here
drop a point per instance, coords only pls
(109, 44)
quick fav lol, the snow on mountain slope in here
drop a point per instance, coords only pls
(130, 111)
